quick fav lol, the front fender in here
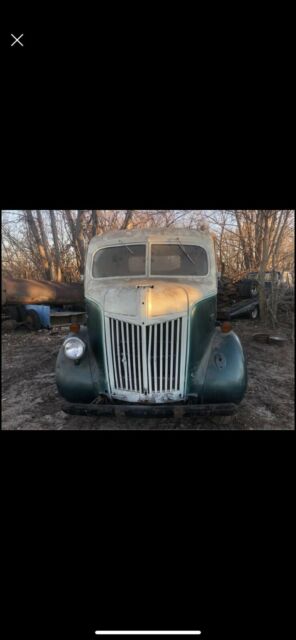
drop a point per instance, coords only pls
(226, 373)
(83, 381)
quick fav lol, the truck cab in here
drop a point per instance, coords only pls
(151, 337)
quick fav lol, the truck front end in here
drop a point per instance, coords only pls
(151, 345)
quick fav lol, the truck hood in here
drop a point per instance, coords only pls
(148, 299)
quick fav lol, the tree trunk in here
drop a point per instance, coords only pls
(80, 241)
(45, 244)
(96, 227)
(73, 234)
(262, 268)
(243, 242)
(127, 220)
(53, 223)
(39, 245)
(258, 238)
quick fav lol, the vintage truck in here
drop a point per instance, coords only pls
(152, 345)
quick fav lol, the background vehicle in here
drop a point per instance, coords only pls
(40, 304)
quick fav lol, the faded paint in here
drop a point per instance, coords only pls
(144, 298)
(128, 297)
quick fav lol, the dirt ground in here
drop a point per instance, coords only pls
(30, 399)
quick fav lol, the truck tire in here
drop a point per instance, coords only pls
(32, 320)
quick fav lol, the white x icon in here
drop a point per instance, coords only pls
(17, 40)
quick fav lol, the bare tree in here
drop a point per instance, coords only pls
(58, 270)
(80, 240)
(273, 225)
(76, 235)
(40, 218)
(96, 222)
(39, 243)
(127, 219)
(32, 241)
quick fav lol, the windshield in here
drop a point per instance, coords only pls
(120, 261)
(178, 260)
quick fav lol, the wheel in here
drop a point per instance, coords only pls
(32, 320)
(254, 313)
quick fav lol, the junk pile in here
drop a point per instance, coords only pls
(227, 292)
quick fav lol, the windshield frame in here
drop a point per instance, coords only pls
(148, 244)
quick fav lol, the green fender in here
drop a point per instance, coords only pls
(85, 380)
(226, 373)
(216, 370)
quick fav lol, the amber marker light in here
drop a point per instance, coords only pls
(75, 327)
(226, 327)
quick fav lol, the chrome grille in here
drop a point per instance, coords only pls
(146, 359)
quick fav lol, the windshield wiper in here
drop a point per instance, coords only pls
(186, 254)
(128, 248)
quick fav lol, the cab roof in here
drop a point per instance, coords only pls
(154, 233)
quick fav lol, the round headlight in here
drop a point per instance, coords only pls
(74, 348)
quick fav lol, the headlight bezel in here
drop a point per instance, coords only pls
(79, 342)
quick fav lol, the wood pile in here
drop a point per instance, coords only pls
(227, 292)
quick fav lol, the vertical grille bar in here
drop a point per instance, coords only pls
(149, 359)
(124, 356)
(118, 351)
(166, 354)
(134, 358)
(144, 359)
(155, 357)
(160, 356)
(130, 384)
(139, 358)
(177, 356)
(183, 342)
(172, 355)
(112, 322)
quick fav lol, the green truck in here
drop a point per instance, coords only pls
(151, 344)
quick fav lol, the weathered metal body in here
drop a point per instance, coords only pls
(153, 340)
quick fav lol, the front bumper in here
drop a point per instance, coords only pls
(151, 411)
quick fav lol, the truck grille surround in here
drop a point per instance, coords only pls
(146, 362)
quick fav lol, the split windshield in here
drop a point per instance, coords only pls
(166, 260)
